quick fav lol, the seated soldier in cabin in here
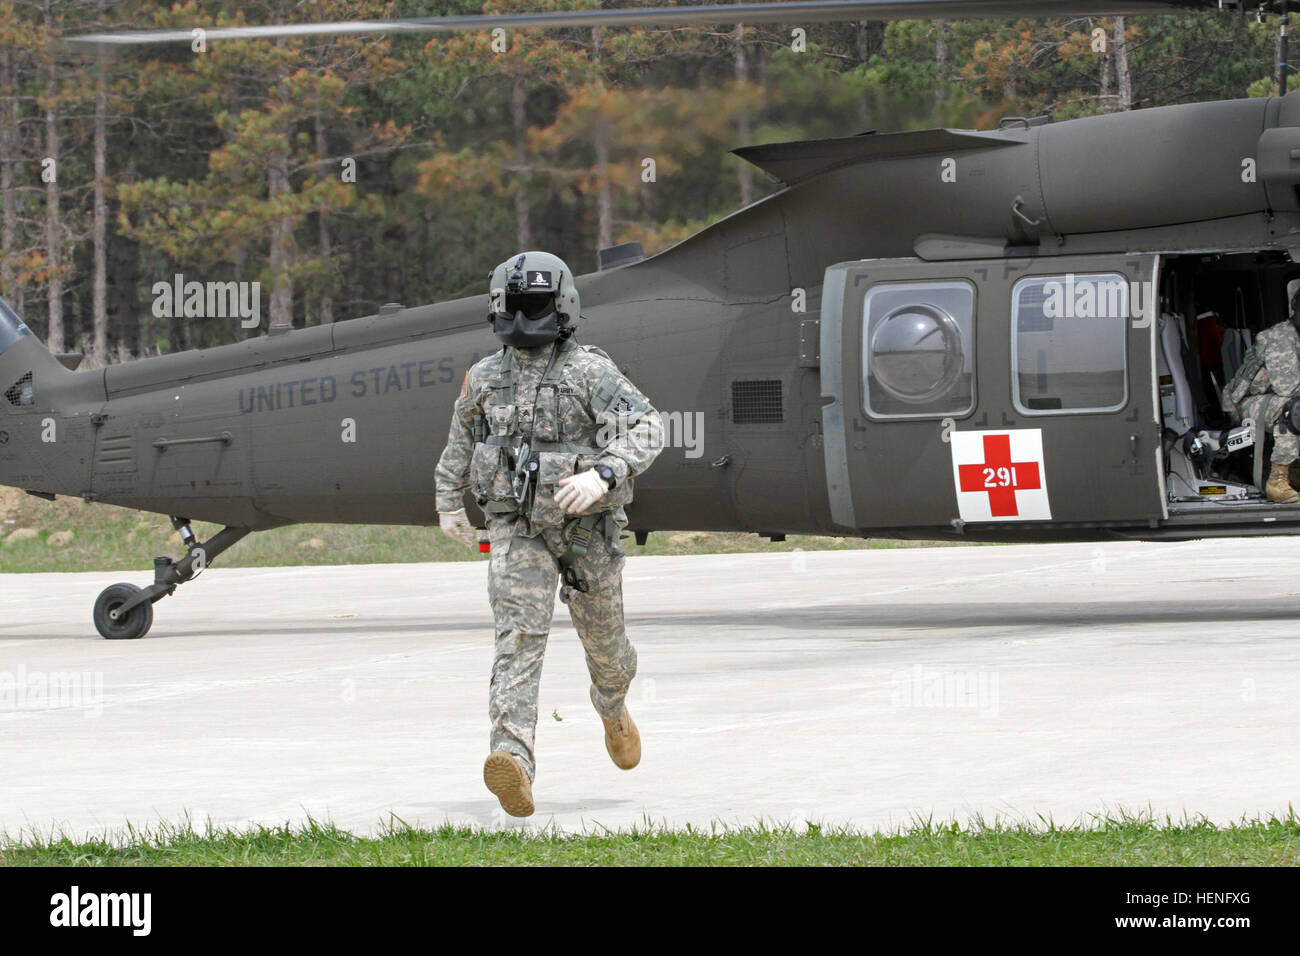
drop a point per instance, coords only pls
(1262, 389)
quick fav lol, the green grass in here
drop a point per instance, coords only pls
(105, 536)
(1109, 841)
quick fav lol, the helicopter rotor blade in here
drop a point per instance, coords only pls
(806, 11)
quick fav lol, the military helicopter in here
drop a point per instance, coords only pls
(976, 334)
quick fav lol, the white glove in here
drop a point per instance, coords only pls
(454, 524)
(579, 492)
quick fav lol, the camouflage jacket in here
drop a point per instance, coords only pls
(1272, 364)
(588, 408)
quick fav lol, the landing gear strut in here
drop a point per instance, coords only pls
(125, 612)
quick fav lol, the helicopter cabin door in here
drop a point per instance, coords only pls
(992, 398)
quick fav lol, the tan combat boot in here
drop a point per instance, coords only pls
(1279, 485)
(622, 741)
(506, 777)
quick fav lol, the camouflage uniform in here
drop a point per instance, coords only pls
(1274, 378)
(586, 412)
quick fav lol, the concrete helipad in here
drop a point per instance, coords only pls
(870, 687)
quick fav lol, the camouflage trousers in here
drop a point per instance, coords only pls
(522, 575)
(1265, 409)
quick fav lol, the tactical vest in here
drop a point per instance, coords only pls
(513, 471)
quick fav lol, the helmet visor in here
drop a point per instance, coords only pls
(534, 305)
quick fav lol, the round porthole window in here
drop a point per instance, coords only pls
(916, 353)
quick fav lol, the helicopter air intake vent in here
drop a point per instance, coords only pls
(756, 402)
(620, 255)
(21, 391)
(115, 453)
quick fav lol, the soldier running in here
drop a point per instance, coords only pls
(547, 435)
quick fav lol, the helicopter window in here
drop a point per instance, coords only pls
(21, 392)
(1068, 338)
(918, 349)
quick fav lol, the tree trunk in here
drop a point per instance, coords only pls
(8, 157)
(604, 198)
(281, 238)
(124, 302)
(1107, 79)
(326, 316)
(1123, 78)
(743, 170)
(519, 119)
(862, 45)
(940, 62)
(99, 225)
(282, 232)
(429, 252)
(862, 40)
(54, 331)
(1277, 58)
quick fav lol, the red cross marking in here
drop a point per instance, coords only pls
(1000, 476)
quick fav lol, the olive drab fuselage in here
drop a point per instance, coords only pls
(754, 340)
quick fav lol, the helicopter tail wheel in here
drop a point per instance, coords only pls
(122, 627)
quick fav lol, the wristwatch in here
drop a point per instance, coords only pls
(607, 473)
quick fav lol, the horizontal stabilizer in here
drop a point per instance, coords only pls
(803, 159)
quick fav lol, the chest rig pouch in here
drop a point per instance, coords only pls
(526, 448)
(494, 430)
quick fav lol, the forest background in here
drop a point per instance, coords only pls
(344, 173)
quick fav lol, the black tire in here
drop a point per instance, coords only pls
(134, 625)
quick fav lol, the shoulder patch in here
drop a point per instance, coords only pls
(464, 385)
(603, 395)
